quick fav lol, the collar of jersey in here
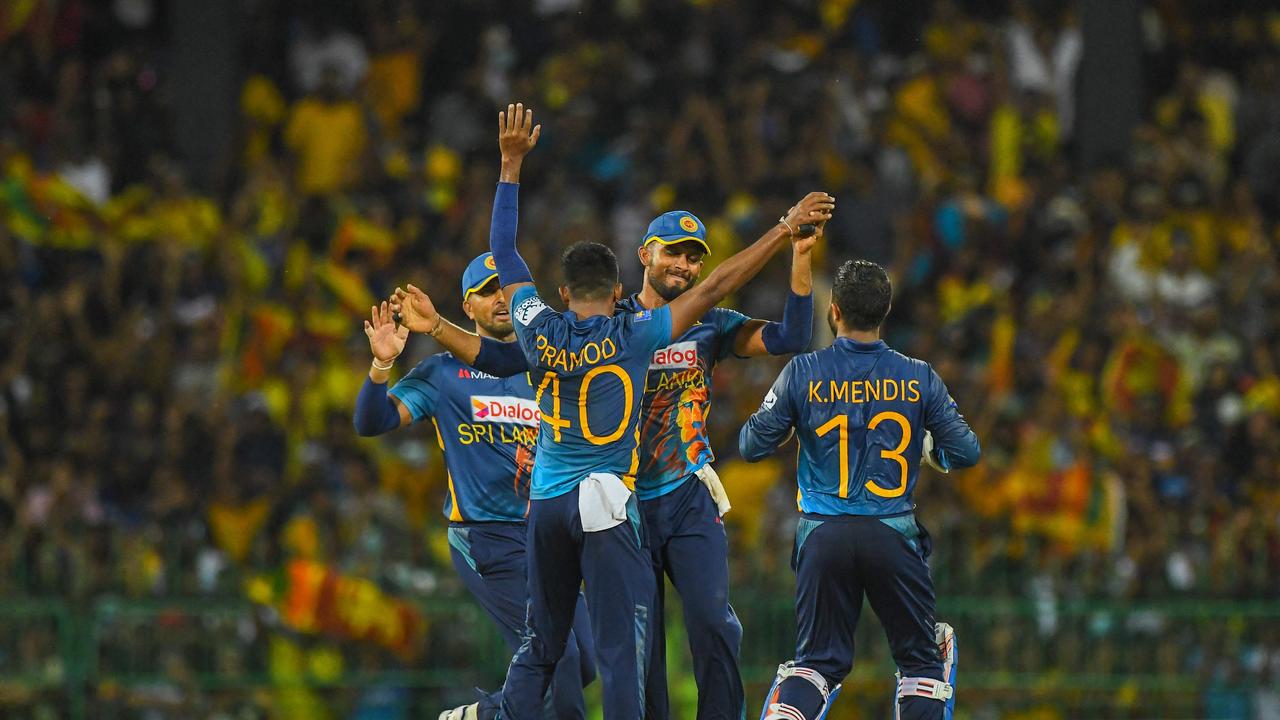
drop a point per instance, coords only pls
(855, 346)
(572, 317)
(631, 303)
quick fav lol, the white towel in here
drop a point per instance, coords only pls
(602, 502)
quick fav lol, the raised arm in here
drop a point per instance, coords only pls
(376, 413)
(419, 314)
(792, 335)
(517, 135)
(733, 273)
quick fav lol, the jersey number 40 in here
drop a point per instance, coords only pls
(558, 423)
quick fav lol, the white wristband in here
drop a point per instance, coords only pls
(390, 364)
(790, 230)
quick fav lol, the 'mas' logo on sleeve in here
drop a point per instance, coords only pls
(505, 409)
(528, 309)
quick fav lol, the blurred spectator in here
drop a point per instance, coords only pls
(326, 134)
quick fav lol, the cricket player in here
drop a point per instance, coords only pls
(864, 415)
(486, 427)
(681, 499)
(589, 365)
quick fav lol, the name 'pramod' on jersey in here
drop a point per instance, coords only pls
(485, 425)
(588, 378)
(860, 411)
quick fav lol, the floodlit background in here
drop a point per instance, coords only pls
(199, 201)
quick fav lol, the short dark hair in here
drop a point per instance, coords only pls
(862, 292)
(590, 270)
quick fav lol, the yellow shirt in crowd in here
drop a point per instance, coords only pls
(327, 139)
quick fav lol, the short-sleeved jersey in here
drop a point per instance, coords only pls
(677, 400)
(484, 426)
(588, 377)
(860, 411)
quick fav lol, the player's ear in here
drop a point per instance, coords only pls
(470, 311)
(643, 253)
(617, 292)
(564, 295)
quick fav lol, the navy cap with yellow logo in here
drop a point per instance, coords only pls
(677, 226)
(478, 272)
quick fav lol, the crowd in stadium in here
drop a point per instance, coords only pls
(179, 364)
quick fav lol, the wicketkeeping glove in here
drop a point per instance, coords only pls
(708, 476)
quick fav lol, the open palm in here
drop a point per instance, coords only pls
(386, 339)
(516, 132)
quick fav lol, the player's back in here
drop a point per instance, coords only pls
(860, 411)
(588, 376)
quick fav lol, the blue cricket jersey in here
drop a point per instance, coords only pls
(483, 424)
(677, 396)
(677, 400)
(860, 411)
(588, 377)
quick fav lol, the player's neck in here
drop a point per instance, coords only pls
(650, 298)
(862, 336)
(589, 308)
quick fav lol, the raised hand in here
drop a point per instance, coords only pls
(516, 132)
(417, 312)
(813, 209)
(386, 339)
(804, 245)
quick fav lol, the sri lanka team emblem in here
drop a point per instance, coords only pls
(689, 224)
(489, 263)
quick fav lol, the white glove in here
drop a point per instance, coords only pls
(708, 476)
(929, 458)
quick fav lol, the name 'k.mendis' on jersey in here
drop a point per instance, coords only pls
(677, 400)
(588, 376)
(487, 428)
(861, 411)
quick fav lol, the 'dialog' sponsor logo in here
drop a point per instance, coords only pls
(505, 409)
(677, 356)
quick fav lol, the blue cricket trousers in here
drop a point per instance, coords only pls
(490, 559)
(837, 560)
(618, 574)
(688, 543)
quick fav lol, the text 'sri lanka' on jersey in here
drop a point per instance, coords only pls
(588, 378)
(860, 412)
(487, 428)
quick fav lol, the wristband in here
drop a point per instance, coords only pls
(790, 230)
(390, 364)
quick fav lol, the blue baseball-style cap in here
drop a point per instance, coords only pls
(677, 226)
(478, 272)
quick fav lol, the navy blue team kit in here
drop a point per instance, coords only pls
(485, 425)
(860, 412)
(681, 522)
